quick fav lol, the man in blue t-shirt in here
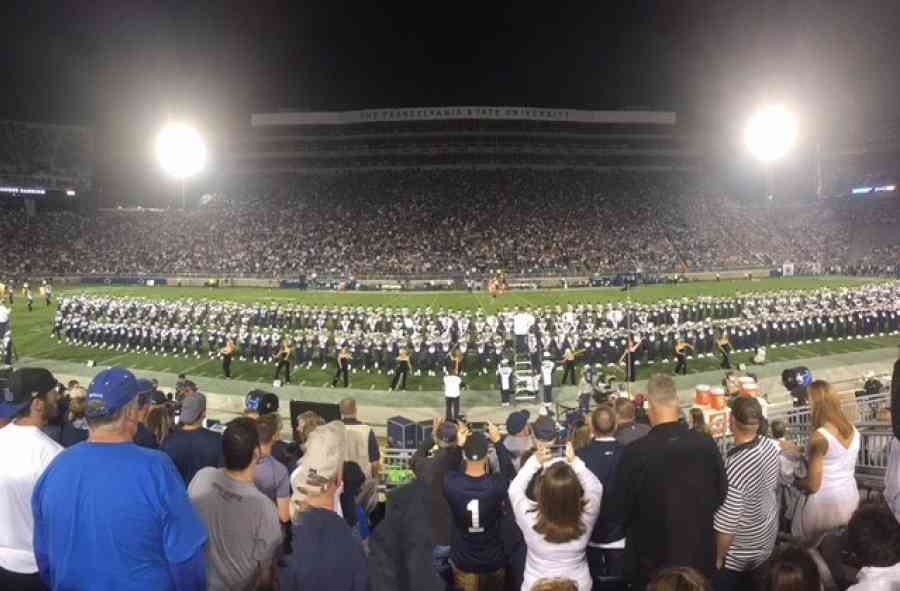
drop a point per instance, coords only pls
(476, 499)
(193, 447)
(110, 515)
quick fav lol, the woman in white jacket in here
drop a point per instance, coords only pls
(558, 525)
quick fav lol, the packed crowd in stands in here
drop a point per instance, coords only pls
(119, 486)
(443, 222)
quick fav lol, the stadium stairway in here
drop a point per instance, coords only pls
(225, 397)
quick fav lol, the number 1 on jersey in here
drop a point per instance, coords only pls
(473, 509)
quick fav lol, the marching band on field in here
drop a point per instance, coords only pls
(428, 341)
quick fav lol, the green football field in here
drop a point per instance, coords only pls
(31, 330)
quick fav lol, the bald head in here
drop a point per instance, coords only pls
(348, 408)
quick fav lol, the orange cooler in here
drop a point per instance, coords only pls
(717, 398)
(701, 395)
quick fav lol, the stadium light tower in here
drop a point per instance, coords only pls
(181, 153)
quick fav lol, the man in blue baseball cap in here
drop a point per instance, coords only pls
(29, 400)
(109, 514)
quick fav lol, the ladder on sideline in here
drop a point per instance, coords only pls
(522, 374)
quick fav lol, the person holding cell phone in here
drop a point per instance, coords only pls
(556, 525)
(476, 499)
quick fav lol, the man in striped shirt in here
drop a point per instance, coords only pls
(747, 522)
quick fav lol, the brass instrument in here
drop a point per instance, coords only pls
(682, 345)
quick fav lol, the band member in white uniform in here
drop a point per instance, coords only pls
(547, 368)
(452, 383)
(506, 381)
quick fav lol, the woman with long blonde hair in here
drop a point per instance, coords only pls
(159, 422)
(832, 494)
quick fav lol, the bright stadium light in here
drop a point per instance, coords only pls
(181, 151)
(770, 133)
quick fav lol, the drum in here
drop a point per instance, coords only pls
(701, 395)
(717, 398)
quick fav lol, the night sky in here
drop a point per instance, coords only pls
(125, 66)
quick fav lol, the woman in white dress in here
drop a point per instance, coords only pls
(832, 493)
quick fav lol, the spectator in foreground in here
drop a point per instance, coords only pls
(477, 500)
(832, 494)
(668, 486)
(606, 550)
(401, 547)
(271, 476)
(627, 430)
(581, 437)
(679, 578)
(192, 446)
(131, 505)
(747, 522)
(792, 569)
(326, 553)
(698, 422)
(431, 463)
(244, 529)
(518, 438)
(873, 536)
(75, 429)
(362, 449)
(307, 422)
(558, 524)
(159, 422)
(27, 451)
(145, 436)
(892, 475)
(258, 404)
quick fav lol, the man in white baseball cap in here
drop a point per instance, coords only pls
(325, 549)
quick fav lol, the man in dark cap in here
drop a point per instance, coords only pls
(476, 499)
(193, 446)
(747, 522)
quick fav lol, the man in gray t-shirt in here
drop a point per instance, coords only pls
(244, 530)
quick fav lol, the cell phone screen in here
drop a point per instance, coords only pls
(479, 426)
